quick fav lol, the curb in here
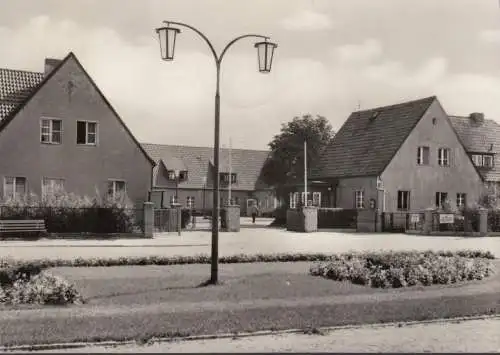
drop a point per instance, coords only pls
(319, 331)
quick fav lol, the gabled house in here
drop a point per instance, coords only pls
(58, 129)
(403, 157)
(187, 172)
(481, 139)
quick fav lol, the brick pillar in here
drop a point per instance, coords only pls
(483, 221)
(427, 225)
(378, 221)
(178, 220)
(148, 219)
(232, 218)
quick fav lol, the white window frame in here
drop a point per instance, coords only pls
(189, 201)
(440, 200)
(444, 156)
(294, 199)
(52, 180)
(114, 183)
(490, 160)
(173, 200)
(14, 185)
(87, 132)
(316, 199)
(461, 199)
(421, 157)
(359, 199)
(402, 195)
(50, 134)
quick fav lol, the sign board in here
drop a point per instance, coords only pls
(446, 218)
(415, 218)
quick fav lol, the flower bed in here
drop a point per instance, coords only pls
(403, 269)
(28, 283)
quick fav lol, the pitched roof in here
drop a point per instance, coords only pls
(369, 139)
(17, 87)
(245, 162)
(479, 137)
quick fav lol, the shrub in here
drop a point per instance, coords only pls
(43, 288)
(69, 213)
(402, 269)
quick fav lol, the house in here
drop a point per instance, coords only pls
(481, 139)
(187, 172)
(401, 157)
(58, 130)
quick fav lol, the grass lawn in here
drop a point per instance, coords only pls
(145, 301)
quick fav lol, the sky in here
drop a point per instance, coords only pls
(333, 57)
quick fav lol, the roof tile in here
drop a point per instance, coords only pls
(15, 87)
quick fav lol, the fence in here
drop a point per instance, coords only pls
(166, 219)
(467, 221)
(400, 222)
(493, 221)
(81, 220)
(337, 218)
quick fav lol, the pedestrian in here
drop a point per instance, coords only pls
(255, 211)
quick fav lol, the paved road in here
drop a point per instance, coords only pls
(249, 240)
(467, 336)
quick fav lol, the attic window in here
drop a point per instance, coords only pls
(374, 115)
(434, 120)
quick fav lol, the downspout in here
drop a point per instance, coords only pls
(151, 183)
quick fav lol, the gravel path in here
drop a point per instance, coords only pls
(467, 336)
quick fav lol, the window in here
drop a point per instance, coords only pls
(423, 155)
(477, 159)
(403, 200)
(86, 132)
(481, 160)
(190, 202)
(14, 187)
(50, 185)
(233, 178)
(441, 198)
(51, 131)
(443, 157)
(116, 188)
(317, 199)
(224, 177)
(488, 161)
(461, 198)
(182, 175)
(359, 199)
(294, 197)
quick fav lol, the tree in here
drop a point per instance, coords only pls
(285, 166)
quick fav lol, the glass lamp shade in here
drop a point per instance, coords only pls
(265, 52)
(167, 36)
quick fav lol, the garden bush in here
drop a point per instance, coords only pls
(69, 213)
(403, 269)
(28, 283)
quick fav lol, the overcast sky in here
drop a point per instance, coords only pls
(333, 55)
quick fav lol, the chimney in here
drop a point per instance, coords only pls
(477, 117)
(50, 64)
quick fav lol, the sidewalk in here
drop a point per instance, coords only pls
(467, 336)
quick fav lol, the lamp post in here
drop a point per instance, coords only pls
(265, 50)
(176, 176)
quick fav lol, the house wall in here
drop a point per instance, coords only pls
(403, 172)
(206, 195)
(85, 169)
(345, 192)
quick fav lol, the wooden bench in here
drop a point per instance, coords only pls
(28, 226)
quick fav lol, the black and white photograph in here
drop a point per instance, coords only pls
(245, 176)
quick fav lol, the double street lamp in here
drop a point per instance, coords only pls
(265, 50)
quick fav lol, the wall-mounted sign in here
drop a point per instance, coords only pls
(415, 218)
(445, 218)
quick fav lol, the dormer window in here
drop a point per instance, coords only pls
(224, 178)
(180, 175)
(483, 160)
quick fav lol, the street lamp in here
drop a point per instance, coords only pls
(265, 50)
(175, 174)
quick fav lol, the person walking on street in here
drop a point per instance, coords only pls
(255, 211)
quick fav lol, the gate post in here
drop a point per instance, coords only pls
(148, 219)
